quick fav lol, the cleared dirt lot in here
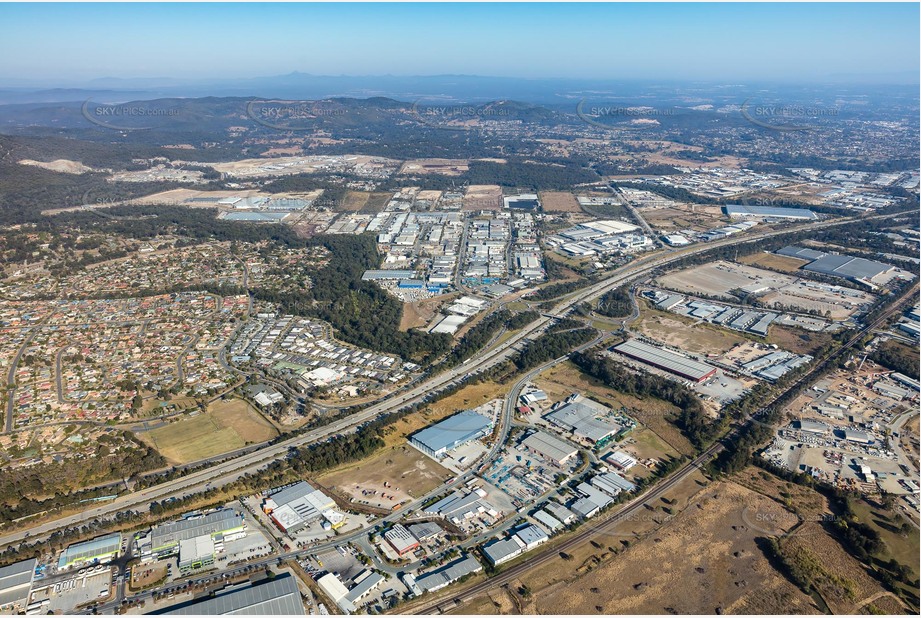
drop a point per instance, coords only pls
(443, 167)
(703, 561)
(227, 425)
(682, 332)
(559, 201)
(483, 197)
(681, 217)
(772, 261)
(409, 473)
(419, 314)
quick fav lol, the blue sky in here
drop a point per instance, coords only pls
(785, 42)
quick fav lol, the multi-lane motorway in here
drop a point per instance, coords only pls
(229, 471)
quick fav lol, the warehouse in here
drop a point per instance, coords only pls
(100, 550)
(402, 541)
(560, 512)
(278, 596)
(858, 269)
(458, 507)
(579, 415)
(165, 538)
(552, 523)
(196, 553)
(672, 362)
(293, 508)
(621, 460)
(384, 275)
(425, 530)
(448, 574)
(800, 253)
(531, 536)
(503, 550)
(612, 484)
(548, 447)
(450, 433)
(769, 212)
(16, 585)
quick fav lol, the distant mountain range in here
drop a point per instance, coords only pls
(454, 88)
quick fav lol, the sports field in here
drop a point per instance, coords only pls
(227, 425)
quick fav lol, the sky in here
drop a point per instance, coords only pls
(716, 42)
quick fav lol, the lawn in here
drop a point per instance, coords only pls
(227, 425)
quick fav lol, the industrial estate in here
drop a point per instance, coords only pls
(527, 360)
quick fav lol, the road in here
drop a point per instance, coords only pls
(227, 472)
(597, 527)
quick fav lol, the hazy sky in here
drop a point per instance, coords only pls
(794, 42)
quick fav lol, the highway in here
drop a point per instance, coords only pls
(229, 471)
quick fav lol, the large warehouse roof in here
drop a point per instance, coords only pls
(847, 266)
(548, 446)
(299, 504)
(15, 582)
(88, 550)
(270, 597)
(191, 527)
(665, 359)
(743, 210)
(801, 253)
(579, 415)
(452, 431)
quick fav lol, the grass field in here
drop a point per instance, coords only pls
(772, 261)
(797, 340)
(362, 201)
(683, 333)
(227, 425)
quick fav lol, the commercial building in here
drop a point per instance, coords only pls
(621, 460)
(502, 550)
(425, 531)
(295, 507)
(100, 550)
(196, 553)
(768, 212)
(385, 275)
(278, 596)
(223, 524)
(16, 585)
(552, 523)
(667, 360)
(550, 448)
(860, 437)
(585, 419)
(560, 512)
(531, 536)
(450, 433)
(448, 574)
(459, 507)
(401, 539)
(612, 484)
